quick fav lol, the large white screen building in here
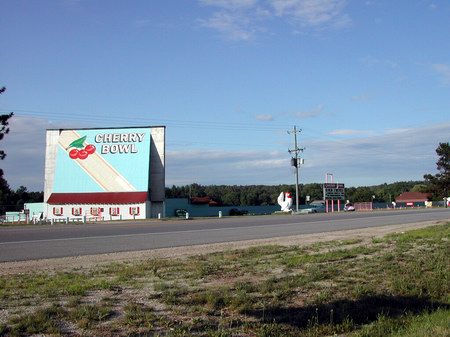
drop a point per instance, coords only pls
(105, 173)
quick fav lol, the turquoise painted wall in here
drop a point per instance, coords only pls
(35, 207)
(205, 210)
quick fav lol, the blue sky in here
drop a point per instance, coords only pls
(367, 82)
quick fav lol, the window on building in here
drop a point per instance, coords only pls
(95, 211)
(134, 210)
(114, 211)
(57, 210)
(77, 211)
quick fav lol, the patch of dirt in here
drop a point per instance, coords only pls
(90, 261)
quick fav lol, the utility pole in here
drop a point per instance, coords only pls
(296, 162)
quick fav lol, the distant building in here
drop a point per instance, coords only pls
(412, 199)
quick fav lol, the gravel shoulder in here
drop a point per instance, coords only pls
(91, 261)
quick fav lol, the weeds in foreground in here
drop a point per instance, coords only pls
(138, 315)
(395, 286)
(41, 321)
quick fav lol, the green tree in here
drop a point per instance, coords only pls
(250, 196)
(214, 192)
(231, 198)
(4, 187)
(315, 191)
(9, 199)
(197, 190)
(4, 122)
(440, 182)
(423, 188)
(363, 194)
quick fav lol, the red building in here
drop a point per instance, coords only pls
(412, 199)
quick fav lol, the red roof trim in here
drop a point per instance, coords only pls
(200, 200)
(98, 198)
(413, 197)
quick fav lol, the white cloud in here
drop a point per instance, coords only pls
(364, 97)
(315, 112)
(311, 12)
(264, 117)
(25, 152)
(261, 12)
(230, 4)
(374, 61)
(350, 132)
(227, 167)
(395, 155)
(444, 71)
(242, 19)
(399, 130)
(342, 21)
(232, 26)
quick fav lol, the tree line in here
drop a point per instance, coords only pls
(236, 195)
(257, 195)
(245, 195)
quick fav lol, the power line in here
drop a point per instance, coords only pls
(168, 122)
(226, 126)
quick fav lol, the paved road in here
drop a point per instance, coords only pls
(38, 242)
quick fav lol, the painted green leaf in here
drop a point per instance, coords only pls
(78, 143)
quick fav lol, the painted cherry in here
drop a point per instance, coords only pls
(90, 149)
(74, 153)
(82, 154)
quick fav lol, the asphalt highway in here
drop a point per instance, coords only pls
(32, 242)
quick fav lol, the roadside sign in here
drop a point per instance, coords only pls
(333, 191)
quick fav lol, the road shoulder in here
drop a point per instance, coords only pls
(91, 261)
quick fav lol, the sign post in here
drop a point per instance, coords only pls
(333, 191)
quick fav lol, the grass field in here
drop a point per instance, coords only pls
(394, 286)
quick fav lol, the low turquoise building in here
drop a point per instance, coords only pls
(206, 210)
